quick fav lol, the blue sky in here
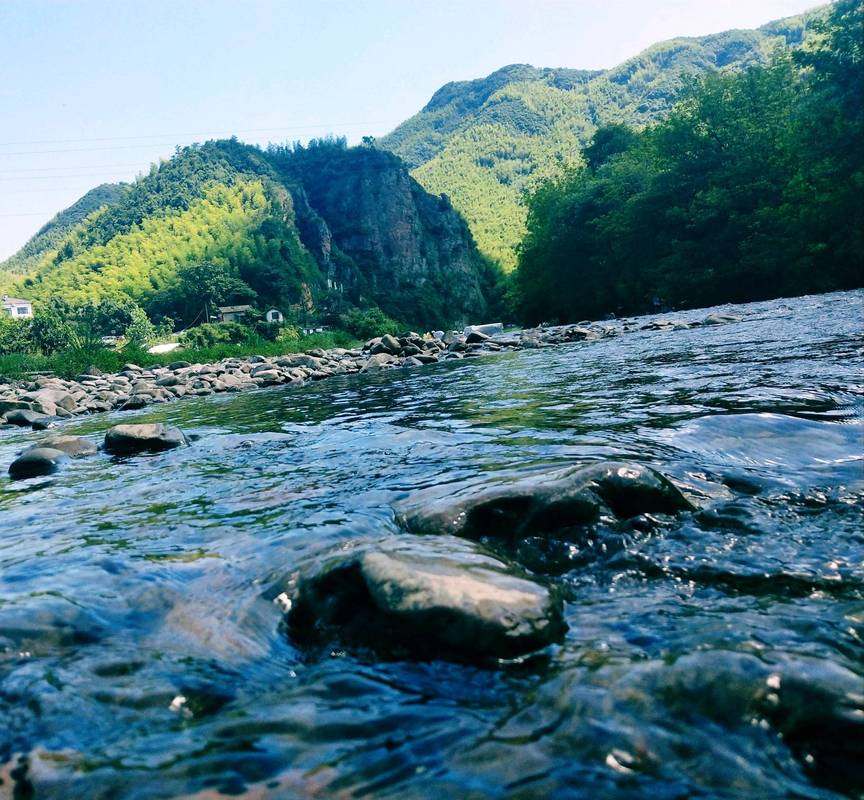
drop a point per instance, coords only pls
(95, 90)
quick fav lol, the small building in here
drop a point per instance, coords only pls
(233, 313)
(274, 315)
(17, 308)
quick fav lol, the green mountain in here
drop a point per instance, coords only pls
(49, 236)
(485, 142)
(310, 230)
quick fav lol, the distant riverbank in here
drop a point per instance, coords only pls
(42, 401)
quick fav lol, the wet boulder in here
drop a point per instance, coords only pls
(548, 502)
(426, 597)
(142, 438)
(37, 461)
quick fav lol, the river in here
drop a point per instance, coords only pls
(718, 654)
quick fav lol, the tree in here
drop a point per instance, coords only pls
(608, 141)
(750, 189)
(140, 331)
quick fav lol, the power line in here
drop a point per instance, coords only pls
(31, 214)
(56, 177)
(77, 166)
(329, 126)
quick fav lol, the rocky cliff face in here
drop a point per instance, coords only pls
(293, 223)
(382, 237)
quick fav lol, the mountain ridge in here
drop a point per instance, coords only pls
(484, 142)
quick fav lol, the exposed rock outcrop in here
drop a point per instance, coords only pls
(379, 234)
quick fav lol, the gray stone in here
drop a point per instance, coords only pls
(14, 405)
(378, 361)
(37, 461)
(720, 319)
(23, 418)
(429, 597)
(299, 360)
(72, 446)
(142, 437)
(135, 402)
(547, 503)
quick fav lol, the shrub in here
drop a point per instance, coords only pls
(290, 333)
(15, 335)
(368, 323)
(140, 331)
(211, 334)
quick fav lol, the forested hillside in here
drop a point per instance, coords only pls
(485, 142)
(311, 229)
(53, 232)
(750, 189)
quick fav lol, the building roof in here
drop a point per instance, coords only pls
(233, 309)
(15, 300)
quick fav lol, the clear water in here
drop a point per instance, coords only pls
(720, 654)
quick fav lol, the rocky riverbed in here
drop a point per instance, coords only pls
(628, 565)
(41, 402)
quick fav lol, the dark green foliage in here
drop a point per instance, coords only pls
(210, 335)
(607, 141)
(199, 290)
(751, 189)
(368, 323)
(14, 335)
(60, 326)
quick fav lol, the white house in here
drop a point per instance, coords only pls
(17, 308)
(274, 315)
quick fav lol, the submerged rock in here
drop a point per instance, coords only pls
(37, 461)
(72, 446)
(426, 597)
(549, 502)
(141, 438)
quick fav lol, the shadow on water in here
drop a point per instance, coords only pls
(717, 654)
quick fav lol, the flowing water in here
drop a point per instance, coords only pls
(717, 654)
